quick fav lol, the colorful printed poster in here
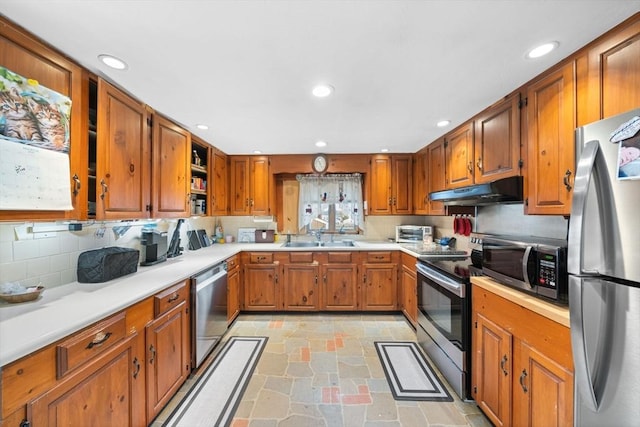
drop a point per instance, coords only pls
(34, 145)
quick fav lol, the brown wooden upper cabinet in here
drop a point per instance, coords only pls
(249, 185)
(496, 145)
(220, 186)
(459, 156)
(420, 183)
(613, 74)
(123, 184)
(391, 185)
(436, 173)
(550, 165)
(171, 169)
(22, 53)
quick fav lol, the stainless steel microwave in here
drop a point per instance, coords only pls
(534, 265)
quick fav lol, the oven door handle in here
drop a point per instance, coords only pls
(449, 284)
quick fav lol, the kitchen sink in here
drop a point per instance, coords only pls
(336, 244)
(302, 245)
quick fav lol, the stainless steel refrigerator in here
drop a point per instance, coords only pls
(604, 273)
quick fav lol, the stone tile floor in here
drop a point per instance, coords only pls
(323, 370)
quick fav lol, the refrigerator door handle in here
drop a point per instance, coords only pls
(579, 345)
(584, 173)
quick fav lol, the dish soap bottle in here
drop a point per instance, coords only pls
(219, 231)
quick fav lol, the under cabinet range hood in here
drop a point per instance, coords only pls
(506, 190)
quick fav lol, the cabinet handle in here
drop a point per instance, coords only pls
(503, 363)
(152, 350)
(105, 188)
(567, 184)
(99, 339)
(76, 187)
(390, 201)
(523, 377)
(136, 366)
(276, 277)
(174, 297)
(250, 202)
(479, 163)
(316, 279)
(470, 166)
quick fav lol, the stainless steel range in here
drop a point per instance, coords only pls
(444, 317)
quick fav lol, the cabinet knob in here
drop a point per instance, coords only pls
(105, 188)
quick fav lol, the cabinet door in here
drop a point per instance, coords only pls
(261, 290)
(339, 287)
(239, 202)
(219, 201)
(492, 376)
(613, 75)
(233, 294)
(497, 141)
(168, 361)
(171, 169)
(301, 287)
(380, 290)
(409, 293)
(420, 184)
(20, 53)
(401, 185)
(259, 186)
(542, 390)
(107, 391)
(380, 199)
(459, 156)
(437, 174)
(550, 162)
(124, 157)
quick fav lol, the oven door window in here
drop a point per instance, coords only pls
(443, 309)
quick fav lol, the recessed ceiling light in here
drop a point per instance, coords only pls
(322, 90)
(321, 144)
(257, 152)
(542, 50)
(384, 150)
(443, 123)
(203, 127)
(113, 62)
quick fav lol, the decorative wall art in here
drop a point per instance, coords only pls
(35, 143)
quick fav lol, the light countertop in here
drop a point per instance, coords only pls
(559, 314)
(63, 310)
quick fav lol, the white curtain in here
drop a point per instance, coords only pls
(318, 192)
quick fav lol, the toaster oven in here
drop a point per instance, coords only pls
(414, 234)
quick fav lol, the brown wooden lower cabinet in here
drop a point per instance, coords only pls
(168, 357)
(233, 288)
(314, 281)
(522, 364)
(408, 290)
(339, 281)
(107, 391)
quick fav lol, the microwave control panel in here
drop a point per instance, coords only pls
(547, 273)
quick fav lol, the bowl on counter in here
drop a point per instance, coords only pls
(31, 294)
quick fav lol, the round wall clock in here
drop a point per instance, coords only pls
(320, 163)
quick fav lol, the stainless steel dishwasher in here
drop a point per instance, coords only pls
(209, 310)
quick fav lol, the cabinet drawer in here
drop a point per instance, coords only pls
(232, 262)
(87, 344)
(261, 258)
(169, 298)
(340, 257)
(302, 257)
(379, 257)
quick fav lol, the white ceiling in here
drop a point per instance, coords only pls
(246, 68)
